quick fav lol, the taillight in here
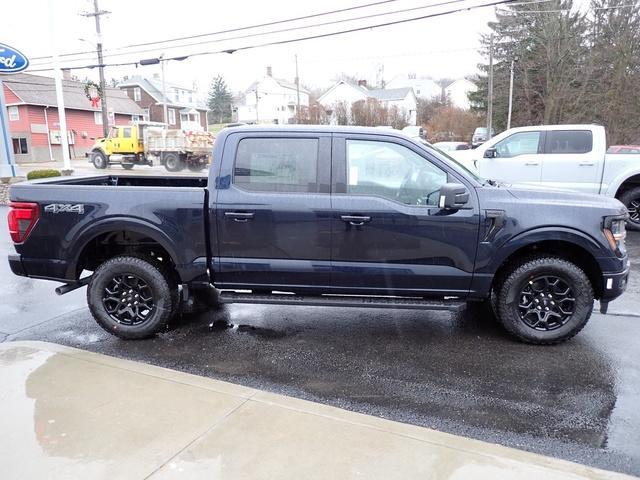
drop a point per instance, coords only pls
(22, 218)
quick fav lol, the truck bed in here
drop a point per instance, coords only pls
(122, 181)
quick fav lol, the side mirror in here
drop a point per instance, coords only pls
(453, 196)
(490, 152)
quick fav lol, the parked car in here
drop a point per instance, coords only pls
(449, 146)
(480, 136)
(330, 216)
(570, 157)
(624, 149)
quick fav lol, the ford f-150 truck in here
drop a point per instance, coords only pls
(329, 216)
(571, 157)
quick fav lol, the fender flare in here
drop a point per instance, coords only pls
(114, 224)
(542, 234)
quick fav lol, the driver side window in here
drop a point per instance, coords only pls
(392, 171)
(523, 143)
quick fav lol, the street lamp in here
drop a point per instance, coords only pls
(161, 60)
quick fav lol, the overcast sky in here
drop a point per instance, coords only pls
(439, 47)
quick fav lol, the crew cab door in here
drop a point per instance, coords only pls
(273, 212)
(389, 235)
(516, 159)
(572, 160)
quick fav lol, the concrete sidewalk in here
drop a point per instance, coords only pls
(68, 413)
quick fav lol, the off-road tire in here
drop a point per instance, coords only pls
(161, 281)
(627, 198)
(173, 163)
(509, 289)
(99, 160)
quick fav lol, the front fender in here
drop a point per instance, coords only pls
(555, 233)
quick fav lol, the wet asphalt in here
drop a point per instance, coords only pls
(457, 373)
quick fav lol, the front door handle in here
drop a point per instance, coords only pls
(239, 216)
(587, 164)
(533, 164)
(355, 220)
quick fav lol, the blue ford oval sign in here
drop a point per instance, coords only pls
(11, 60)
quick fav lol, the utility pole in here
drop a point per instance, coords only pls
(96, 14)
(510, 96)
(257, 100)
(165, 108)
(57, 73)
(297, 92)
(490, 92)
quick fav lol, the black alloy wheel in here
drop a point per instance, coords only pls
(546, 302)
(128, 300)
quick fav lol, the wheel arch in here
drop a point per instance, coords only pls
(116, 236)
(624, 183)
(566, 243)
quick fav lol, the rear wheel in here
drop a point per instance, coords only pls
(195, 166)
(544, 300)
(631, 200)
(173, 163)
(132, 297)
(99, 160)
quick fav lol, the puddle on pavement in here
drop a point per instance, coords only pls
(220, 325)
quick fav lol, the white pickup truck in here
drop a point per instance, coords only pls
(570, 157)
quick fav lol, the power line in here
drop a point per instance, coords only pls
(285, 30)
(247, 27)
(299, 39)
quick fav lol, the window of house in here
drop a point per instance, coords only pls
(523, 143)
(392, 171)
(147, 114)
(569, 141)
(97, 118)
(20, 146)
(172, 116)
(14, 114)
(184, 117)
(135, 118)
(277, 165)
(137, 95)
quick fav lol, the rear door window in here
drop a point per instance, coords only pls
(277, 165)
(569, 141)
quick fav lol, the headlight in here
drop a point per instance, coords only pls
(614, 229)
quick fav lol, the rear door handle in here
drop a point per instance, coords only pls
(355, 220)
(532, 163)
(239, 216)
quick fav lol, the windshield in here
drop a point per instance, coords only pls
(451, 161)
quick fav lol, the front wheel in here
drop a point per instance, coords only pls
(132, 297)
(127, 166)
(99, 160)
(631, 200)
(544, 300)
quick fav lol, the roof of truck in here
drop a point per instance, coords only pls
(316, 128)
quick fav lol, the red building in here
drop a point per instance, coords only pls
(33, 116)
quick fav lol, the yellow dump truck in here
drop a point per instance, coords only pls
(144, 143)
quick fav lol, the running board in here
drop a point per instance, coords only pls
(342, 301)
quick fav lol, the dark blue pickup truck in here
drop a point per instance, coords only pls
(323, 216)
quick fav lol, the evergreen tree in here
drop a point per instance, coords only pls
(547, 41)
(614, 94)
(219, 101)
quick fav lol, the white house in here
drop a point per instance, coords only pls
(346, 93)
(271, 100)
(457, 93)
(424, 87)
